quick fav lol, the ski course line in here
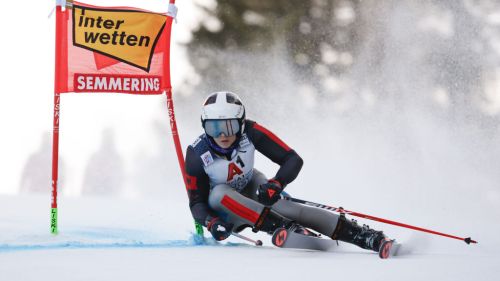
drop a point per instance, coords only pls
(83, 245)
(4, 248)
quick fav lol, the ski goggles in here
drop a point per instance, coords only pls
(228, 127)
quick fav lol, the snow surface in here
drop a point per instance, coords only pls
(123, 239)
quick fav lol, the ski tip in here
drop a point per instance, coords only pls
(385, 249)
(469, 240)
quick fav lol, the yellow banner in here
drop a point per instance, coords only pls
(126, 35)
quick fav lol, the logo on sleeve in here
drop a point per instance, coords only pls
(207, 158)
(244, 141)
(196, 142)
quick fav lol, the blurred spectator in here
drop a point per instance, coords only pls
(37, 173)
(105, 173)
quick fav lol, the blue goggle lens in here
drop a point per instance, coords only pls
(215, 128)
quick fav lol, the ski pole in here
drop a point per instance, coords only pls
(467, 240)
(256, 242)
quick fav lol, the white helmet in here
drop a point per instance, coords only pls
(223, 113)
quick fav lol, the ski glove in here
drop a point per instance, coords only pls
(219, 229)
(269, 192)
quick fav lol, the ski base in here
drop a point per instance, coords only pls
(284, 238)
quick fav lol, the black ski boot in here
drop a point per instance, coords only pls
(362, 236)
(297, 228)
(269, 221)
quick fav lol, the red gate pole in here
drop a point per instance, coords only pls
(60, 44)
(178, 148)
(173, 122)
(55, 164)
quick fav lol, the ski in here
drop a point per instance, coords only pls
(389, 248)
(284, 238)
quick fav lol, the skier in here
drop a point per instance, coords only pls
(227, 194)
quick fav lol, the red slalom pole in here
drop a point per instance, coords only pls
(467, 240)
(178, 148)
(173, 122)
(59, 45)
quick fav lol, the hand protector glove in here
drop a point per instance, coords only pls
(219, 229)
(269, 192)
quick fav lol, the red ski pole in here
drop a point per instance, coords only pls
(467, 240)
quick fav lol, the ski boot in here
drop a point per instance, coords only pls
(297, 228)
(269, 221)
(361, 236)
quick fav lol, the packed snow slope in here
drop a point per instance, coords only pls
(150, 239)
